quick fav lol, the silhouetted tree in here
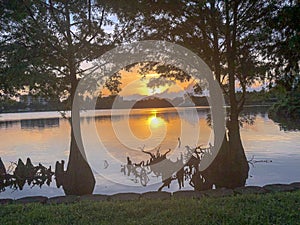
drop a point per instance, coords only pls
(227, 35)
(281, 50)
(45, 47)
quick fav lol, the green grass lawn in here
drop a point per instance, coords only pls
(277, 208)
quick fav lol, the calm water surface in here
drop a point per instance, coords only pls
(108, 140)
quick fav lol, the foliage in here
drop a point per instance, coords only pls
(281, 47)
(222, 33)
(275, 208)
(282, 51)
(287, 112)
(46, 45)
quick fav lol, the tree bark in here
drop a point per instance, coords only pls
(79, 178)
(238, 164)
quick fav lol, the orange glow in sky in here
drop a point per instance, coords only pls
(135, 83)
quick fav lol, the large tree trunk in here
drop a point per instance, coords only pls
(230, 167)
(238, 166)
(78, 178)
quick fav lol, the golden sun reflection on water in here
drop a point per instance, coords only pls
(147, 125)
(154, 121)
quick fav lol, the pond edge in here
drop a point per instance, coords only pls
(161, 195)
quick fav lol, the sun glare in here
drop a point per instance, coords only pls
(155, 122)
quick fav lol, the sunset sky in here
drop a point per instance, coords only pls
(134, 85)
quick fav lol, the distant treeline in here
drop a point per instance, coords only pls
(149, 102)
(252, 98)
(10, 106)
(257, 97)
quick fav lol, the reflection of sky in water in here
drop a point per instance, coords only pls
(47, 141)
(266, 141)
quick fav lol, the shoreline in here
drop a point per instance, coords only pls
(68, 110)
(162, 195)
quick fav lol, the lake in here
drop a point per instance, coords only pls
(113, 135)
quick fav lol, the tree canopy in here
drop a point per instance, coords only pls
(46, 45)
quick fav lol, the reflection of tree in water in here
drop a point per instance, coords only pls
(190, 115)
(246, 117)
(184, 169)
(19, 173)
(137, 170)
(286, 123)
(40, 123)
(7, 124)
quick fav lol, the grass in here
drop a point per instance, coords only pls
(276, 208)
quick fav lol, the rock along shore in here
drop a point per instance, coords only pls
(162, 195)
